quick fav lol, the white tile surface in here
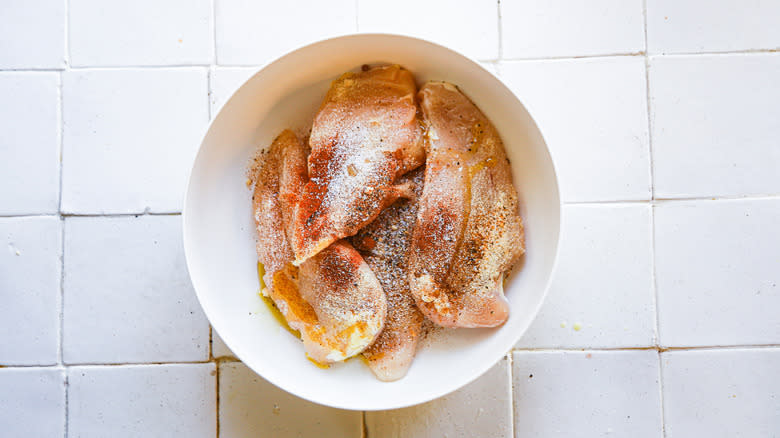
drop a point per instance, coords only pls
(726, 393)
(566, 394)
(130, 134)
(712, 25)
(128, 297)
(218, 346)
(32, 402)
(148, 400)
(484, 408)
(251, 32)
(603, 284)
(715, 125)
(593, 115)
(29, 142)
(32, 34)
(29, 290)
(130, 137)
(717, 272)
(250, 406)
(141, 32)
(470, 27)
(224, 82)
(542, 28)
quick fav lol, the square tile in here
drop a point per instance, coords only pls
(33, 34)
(482, 408)
(539, 28)
(224, 81)
(120, 154)
(250, 32)
(147, 400)
(602, 290)
(721, 393)
(141, 32)
(566, 394)
(717, 272)
(218, 347)
(714, 124)
(250, 406)
(712, 25)
(470, 27)
(128, 297)
(30, 290)
(593, 115)
(29, 143)
(32, 402)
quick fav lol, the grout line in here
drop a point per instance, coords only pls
(61, 138)
(209, 91)
(357, 21)
(653, 276)
(654, 283)
(66, 36)
(364, 429)
(563, 58)
(31, 70)
(213, 24)
(661, 393)
(651, 155)
(720, 347)
(145, 213)
(648, 348)
(61, 148)
(661, 201)
(510, 363)
(720, 198)
(30, 215)
(61, 297)
(67, 399)
(211, 344)
(500, 31)
(54, 366)
(716, 53)
(217, 368)
(141, 364)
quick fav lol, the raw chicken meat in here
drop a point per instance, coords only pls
(384, 244)
(333, 299)
(278, 173)
(365, 135)
(468, 232)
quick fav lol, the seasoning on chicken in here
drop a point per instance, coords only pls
(468, 232)
(365, 135)
(333, 299)
(384, 244)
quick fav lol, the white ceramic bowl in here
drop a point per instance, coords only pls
(219, 236)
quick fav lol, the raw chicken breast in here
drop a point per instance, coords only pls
(365, 135)
(279, 173)
(468, 232)
(384, 244)
(333, 299)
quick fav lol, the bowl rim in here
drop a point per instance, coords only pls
(558, 232)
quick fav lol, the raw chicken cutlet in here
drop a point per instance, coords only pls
(365, 135)
(334, 299)
(468, 232)
(384, 244)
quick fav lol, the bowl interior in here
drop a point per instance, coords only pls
(219, 236)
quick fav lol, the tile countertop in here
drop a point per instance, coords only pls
(662, 117)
